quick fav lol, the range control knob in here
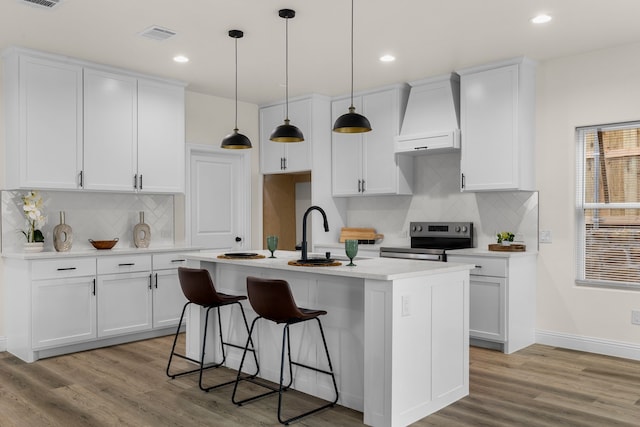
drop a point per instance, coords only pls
(419, 228)
(457, 228)
(464, 228)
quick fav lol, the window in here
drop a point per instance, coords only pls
(608, 205)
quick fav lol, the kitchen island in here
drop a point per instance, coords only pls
(397, 330)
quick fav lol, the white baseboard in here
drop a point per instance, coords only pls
(588, 344)
(3, 343)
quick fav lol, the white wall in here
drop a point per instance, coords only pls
(594, 88)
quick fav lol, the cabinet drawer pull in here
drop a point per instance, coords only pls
(135, 182)
(478, 266)
(156, 280)
(94, 286)
(66, 268)
(126, 264)
(140, 186)
(178, 260)
(363, 186)
(421, 148)
(359, 186)
(81, 179)
(150, 281)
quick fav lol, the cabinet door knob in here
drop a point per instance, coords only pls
(238, 239)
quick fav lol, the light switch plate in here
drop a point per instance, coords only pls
(545, 236)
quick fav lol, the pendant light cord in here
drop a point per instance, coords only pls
(286, 68)
(352, 54)
(236, 121)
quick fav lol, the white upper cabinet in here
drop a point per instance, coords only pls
(160, 137)
(497, 124)
(365, 163)
(43, 107)
(110, 131)
(279, 157)
(76, 125)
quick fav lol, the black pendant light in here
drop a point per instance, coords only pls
(286, 132)
(352, 122)
(236, 140)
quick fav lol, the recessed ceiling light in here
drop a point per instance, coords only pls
(387, 58)
(181, 59)
(541, 19)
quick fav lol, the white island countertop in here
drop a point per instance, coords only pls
(369, 268)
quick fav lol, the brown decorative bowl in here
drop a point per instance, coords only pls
(104, 244)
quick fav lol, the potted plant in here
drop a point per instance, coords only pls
(505, 237)
(32, 208)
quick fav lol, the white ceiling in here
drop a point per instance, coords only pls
(428, 37)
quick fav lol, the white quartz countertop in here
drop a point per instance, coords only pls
(371, 268)
(96, 252)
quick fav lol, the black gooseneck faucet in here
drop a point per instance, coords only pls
(304, 227)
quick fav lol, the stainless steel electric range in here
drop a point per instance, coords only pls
(431, 240)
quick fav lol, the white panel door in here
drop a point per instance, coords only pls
(110, 117)
(219, 200)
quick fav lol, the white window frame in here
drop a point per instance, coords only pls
(582, 205)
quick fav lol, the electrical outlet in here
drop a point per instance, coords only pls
(545, 236)
(635, 317)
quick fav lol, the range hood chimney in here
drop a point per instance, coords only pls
(432, 119)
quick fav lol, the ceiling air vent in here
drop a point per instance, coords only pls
(158, 33)
(49, 4)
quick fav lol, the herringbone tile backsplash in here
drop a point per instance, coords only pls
(97, 216)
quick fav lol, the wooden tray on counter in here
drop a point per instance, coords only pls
(363, 234)
(514, 247)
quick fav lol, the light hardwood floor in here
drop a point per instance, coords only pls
(126, 385)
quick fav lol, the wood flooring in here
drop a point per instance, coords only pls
(126, 385)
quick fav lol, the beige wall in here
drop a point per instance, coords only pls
(594, 88)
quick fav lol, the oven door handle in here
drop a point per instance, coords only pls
(404, 255)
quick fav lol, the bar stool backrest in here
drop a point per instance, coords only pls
(197, 286)
(272, 299)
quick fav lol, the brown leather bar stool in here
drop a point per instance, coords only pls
(198, 288)
(272, 299)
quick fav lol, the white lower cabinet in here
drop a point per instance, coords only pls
(502, 300)
(69, 304)
(124, 294)
(63, 304)
(168, 299)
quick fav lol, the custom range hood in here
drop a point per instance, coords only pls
(432, 118)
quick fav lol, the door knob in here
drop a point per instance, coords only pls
(238, 239)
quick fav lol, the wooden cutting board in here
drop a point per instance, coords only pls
(359, 233)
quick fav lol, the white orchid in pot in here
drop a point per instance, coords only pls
(32, 207)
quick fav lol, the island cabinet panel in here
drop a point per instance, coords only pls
(397, 331)
(43, 108)
(497, 116)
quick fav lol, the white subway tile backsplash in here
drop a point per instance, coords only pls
(97, 216)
